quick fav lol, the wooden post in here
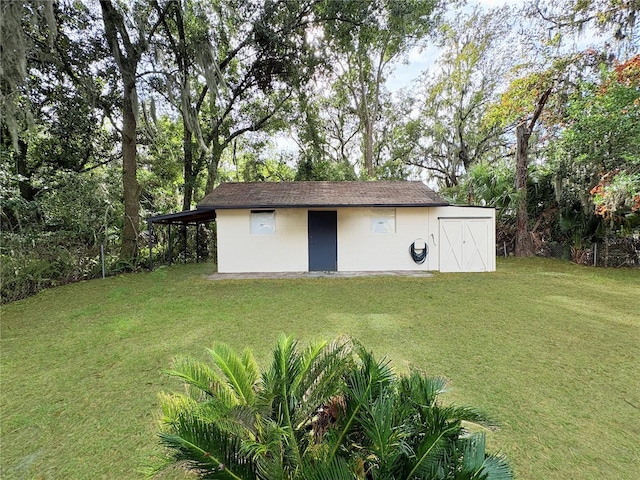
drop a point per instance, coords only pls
(150, 229)
(170, 259)
(184, 245)
(197, 242)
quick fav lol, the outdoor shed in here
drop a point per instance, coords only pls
(347, 226)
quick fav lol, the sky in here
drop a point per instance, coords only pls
(421, 59)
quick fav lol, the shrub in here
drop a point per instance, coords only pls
(325, 411)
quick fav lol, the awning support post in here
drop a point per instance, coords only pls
(197, 243)
(184, 246)
(170, 256)
(150, 228)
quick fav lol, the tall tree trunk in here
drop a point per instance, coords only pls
(368, 145)
(212, 167)
(127, 55)
(131, 188)
(189, 176)
(524, 245)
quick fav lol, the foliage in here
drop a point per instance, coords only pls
(370, 38)
(325, 411)
(160, 157)
(310, 170)
(490, 185)
(493, 185)
(599, 149)
(55, 238)
(17, 21)
(227, 87)
(452, 130)
(616, 20)
(615, 192)
(226, 69)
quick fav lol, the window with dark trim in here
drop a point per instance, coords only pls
(383, 220)
(263, 222)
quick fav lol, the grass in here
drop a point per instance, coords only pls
(550, 349)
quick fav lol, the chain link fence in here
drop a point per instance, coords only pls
(30, 262)
(613, 252)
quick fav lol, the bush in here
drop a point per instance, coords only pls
(325, 411)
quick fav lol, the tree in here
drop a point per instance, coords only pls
(237, 68)
(524, 130)
(59, 203)
(599, 148)
(50, 102)
(127, 52)
(538, 90)
(451, 132)
(366, 44)
(326, 411)
(53, 117)
(614, 19)
(560, 78)
(17, 48)
(185, 72)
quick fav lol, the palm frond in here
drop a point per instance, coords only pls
(250, 365)
(308, 358)
(365, 382)
(321, 379)
(480, 466)
(239, 420)
(377, 421)
(336, 469)
(427, 456)
(496, 467)
(284, 370)
(241, 373)
(175, 404)
(471, 415)
(385, 435)
(201, 379)
(278, 384)
(421, 389)
(473, 447)
(380, 371)
(269, 450)
(206, 450)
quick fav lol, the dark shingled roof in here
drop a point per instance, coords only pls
(321, 194)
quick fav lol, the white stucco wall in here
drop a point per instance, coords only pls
(358, 248)
(284, 251)
(361, 250)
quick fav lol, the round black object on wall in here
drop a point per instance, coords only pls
(419, 254)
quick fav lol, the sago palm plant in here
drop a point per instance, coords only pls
(329, 411)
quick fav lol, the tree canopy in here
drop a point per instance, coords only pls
(150, 105)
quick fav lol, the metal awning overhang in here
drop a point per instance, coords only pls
(187, 217)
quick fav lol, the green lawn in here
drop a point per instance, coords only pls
(550, 349)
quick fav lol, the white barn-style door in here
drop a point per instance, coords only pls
(464, 244)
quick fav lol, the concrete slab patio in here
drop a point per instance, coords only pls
(275, 275)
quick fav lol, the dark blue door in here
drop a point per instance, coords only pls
(323, 241)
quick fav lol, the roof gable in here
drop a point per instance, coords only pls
(321, 194)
